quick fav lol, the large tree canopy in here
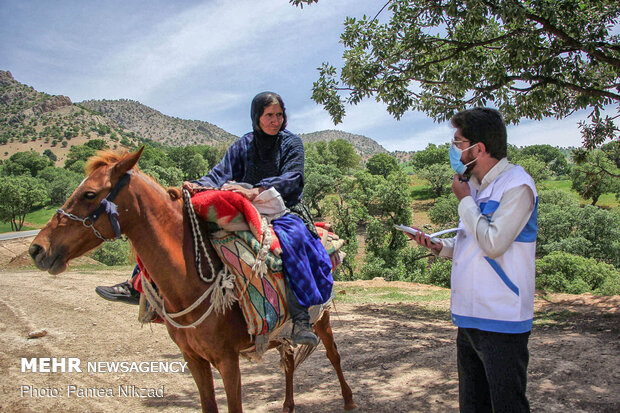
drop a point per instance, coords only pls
(530, 59)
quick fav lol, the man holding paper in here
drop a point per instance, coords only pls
(493, 268)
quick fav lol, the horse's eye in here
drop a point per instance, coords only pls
(90, 195)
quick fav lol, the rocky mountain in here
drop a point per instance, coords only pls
(34, 120)
(363, 145)
(148, 123)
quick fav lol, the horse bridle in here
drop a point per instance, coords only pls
(106, 205)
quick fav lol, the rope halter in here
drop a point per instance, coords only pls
(105, 206)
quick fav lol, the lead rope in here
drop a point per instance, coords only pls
(198, 240)
(222, 282)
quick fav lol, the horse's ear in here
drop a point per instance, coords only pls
(126, 164)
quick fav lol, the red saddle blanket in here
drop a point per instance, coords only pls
(237, 235)
(230, 211)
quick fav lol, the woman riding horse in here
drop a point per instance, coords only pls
(271, 157)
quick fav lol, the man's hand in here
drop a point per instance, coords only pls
(424, 240)
(249, 194)
(460, 187)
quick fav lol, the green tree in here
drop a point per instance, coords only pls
(346, 212)
(113, 253)
(431, 155)
(60, 183)
(529, 59)
(189, 160)
(563, 225)
(18, 196)
(568, 273)
(171, 176)
(587, 179)
(29, 162)
(439, 176)
(50, 155)
(382, 164)
(97, 144)
(445, 211)
(320, 181)
(391, 203)
(535, 167)
(550, 155)
(77, 156)
(344, 154)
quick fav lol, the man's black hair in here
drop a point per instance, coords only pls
(259, 103)
(483, 125)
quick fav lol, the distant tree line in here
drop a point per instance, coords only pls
(365, 200)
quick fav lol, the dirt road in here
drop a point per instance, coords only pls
(396, 357)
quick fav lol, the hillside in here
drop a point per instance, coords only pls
(44, 123)
(33, 120)
(151, 124)
(364, 146)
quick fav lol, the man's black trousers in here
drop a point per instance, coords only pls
(492, 371)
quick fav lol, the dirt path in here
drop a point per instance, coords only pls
(396, 357)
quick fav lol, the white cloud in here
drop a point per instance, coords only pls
(212, 36)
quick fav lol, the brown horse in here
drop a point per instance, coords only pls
(154, 220)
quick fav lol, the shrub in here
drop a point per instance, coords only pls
(414, 263)
(440, 272)
(113, 253)
(375, 267)
(567, 273)
(445, 211)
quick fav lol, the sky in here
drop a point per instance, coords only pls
(206, 60)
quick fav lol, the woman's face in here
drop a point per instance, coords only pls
(271, 119)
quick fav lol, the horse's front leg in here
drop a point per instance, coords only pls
(231, 376)
(324, 330)
(201, 371)
(288, 364)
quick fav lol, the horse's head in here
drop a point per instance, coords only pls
(75, 229)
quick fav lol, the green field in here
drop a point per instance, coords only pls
(422, 191)
(604, 201)
(34, 220)
(367, 295)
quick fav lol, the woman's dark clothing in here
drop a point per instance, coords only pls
(269, 161)
(278, 161)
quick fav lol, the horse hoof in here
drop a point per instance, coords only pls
(350, 406)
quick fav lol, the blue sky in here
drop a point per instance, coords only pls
(206, 60)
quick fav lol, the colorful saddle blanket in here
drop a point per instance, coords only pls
(237, 233)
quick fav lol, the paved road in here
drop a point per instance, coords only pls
(20, 234)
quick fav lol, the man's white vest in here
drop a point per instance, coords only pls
(496, 294)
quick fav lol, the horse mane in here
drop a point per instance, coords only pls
(103, 158)
(107, 157)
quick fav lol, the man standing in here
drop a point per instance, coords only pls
(493, 265)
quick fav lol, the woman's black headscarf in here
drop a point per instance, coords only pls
(259, 103)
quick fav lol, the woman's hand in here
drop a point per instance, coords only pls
(191, 187)
(248, 193)
(424, 240)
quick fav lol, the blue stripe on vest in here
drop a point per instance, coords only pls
(487, 208)
(498, 269)
(498, 326)
(530, 231)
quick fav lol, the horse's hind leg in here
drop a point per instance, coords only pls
(324, 331)
(201, 371)
(288, 364)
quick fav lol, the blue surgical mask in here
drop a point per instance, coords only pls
(455, 159)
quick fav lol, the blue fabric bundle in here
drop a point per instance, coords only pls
(304, 260)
